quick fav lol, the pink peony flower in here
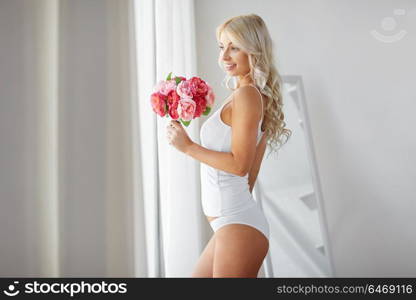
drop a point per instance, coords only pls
(164, 87)
(210, 97)
(182, 99)
(201, 105)
(173, 100)
(158, 102)
(184, 89)
(198, 87)
(186, 109)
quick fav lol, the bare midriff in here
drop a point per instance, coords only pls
(210, 219)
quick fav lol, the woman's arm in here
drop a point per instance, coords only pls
(224, 161)
(254, 171)
(246, 114)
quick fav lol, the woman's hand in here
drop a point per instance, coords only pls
(177, 136)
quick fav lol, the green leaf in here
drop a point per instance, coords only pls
(169, 76)
(186, 123)
(207, 111)
(178, 80)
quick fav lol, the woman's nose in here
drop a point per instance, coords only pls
(225, 56)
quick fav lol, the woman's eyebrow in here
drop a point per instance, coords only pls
(228, 43)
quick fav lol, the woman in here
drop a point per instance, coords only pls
(233, 142)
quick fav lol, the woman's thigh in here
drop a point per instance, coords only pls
(239, 251)
(205, 262)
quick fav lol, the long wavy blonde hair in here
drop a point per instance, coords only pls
(250, 34)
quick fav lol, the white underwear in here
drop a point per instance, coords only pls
(252, 216)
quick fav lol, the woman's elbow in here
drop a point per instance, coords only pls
(242, 171)
(242, 165)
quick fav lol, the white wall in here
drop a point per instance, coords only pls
(361, 107)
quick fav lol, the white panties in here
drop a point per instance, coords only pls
(252, 216)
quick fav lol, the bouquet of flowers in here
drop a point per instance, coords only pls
(182, 99)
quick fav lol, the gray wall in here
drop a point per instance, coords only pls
(361, 107)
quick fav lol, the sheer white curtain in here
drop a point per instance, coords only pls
(166, 43)
(88, 184)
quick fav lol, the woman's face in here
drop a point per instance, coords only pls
(234, 60)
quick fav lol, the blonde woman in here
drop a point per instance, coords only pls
(233, 142)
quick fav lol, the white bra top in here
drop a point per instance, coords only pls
(216, 135)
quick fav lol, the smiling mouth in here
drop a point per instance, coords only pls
(230, 66)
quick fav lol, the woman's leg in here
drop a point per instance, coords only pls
(205, 263)
(239, 251)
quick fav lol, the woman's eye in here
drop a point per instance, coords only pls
(232, 48)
